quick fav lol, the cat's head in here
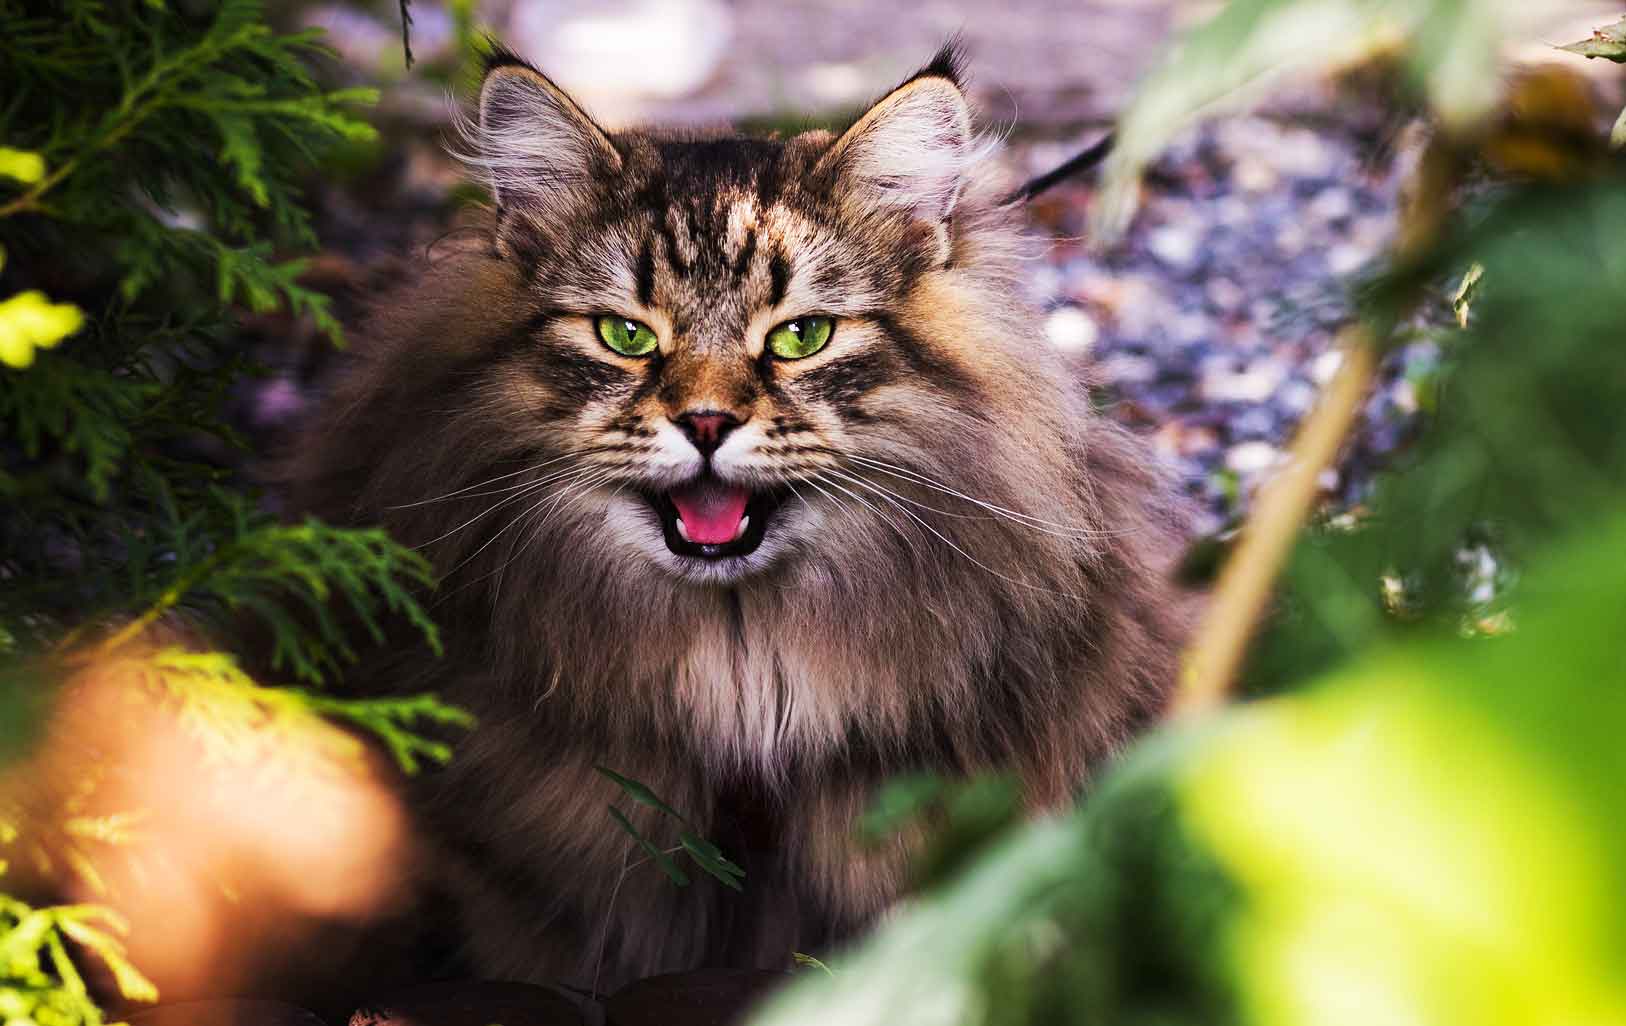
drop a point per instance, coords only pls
(740, 349)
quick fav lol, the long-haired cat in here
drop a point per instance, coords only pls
(750, 475)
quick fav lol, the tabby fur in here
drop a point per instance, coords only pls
(970, 569)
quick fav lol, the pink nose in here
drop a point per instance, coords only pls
(707, 428)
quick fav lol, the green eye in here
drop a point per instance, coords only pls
(626, 336)
(802, 337)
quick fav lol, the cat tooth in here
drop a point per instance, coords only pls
(683, 530)
(739, 532)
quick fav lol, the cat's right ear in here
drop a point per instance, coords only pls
(532, 142)
(910, 150)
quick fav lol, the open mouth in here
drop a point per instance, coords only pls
(711, 519)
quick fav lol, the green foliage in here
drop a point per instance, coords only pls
(396, 722)
(1448, 49)
(150, 161)
(221, 556)
(1524, 447)
(134, 111)
(238, 721)
(957, 816)
(39, 982)
(705, 854)
(1608, 42)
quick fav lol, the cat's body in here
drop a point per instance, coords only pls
(915, 548)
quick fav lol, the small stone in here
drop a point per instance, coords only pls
(1070, 329)
(1185, 441)
(1137, 304)
(1296, 397)
(1347, 257)
(1404, 396)
(1191, 328)
(1332, 204)
(1255, 422)
(1128, 369)
(1252, 175)
(1253, 384)
(1232, 212)
(1225, 294)
(1252, 457)
(1174, 244)
(1291, 239)
(1323, 367)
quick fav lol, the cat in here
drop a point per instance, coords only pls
(749, 474)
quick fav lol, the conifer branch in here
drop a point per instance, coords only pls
(154, 161)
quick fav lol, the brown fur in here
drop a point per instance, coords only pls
(871, 634)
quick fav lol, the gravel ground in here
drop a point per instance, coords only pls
(1211, 326)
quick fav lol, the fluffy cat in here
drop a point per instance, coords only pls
(751, 476)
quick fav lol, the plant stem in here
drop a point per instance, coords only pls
(1215, 655)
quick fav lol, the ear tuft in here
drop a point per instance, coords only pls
(913, 148)
(499, 56)
(949, 62)
(530, 139)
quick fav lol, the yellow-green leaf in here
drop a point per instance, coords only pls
(1608, 42)
(30, 321)
(25, 166)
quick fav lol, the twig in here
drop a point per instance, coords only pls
(609, 910)
(1076, 165)
(406, 32)
(1215, 655)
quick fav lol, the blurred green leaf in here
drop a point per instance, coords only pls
(898, 803)
(951, 820)
(1608, 42)
(1524, 446)
(1449, 49)
(24, 702)
(1463, 298)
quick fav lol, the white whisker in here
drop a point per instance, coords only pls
(1027, 519)
(904, 498)
(519, 493)
(878, 514)
(580, 472)
(499, 477)
(946, 541)
(582, 484)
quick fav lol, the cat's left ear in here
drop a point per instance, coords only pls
(910, 150)
(532, 141)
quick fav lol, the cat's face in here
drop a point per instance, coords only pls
(731, 349)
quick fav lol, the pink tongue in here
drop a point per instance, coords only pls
(711, 511)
